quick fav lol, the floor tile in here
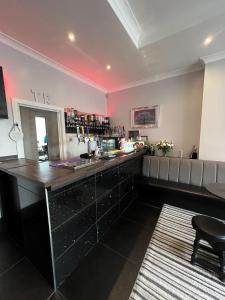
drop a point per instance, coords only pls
(23, 282)
(145, 215)
(56, 296)
(129, 239)
(10, 253)
(103, 275)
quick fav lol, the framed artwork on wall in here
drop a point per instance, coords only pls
(133, 134)
(145, 117)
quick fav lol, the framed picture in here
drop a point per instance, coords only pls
(145, 117)
(144, 138)
(133, 134)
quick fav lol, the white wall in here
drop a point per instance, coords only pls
(180, 100)
(212, 140)
(23, 73)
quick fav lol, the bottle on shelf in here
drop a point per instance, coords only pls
(92, 123)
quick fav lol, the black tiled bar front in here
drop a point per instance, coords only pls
(67, 234)
(69, 200)
(62, 213)
(126, 186)
(81, 213)
(68, 262)
(106, 180)
(106, 202)
(107, 220)
(126, 201)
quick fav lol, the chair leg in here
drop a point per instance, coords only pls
(195, 249)
(222, 265)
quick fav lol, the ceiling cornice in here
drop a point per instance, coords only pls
(127, 17)
(9, 41)
(159, 77)
(213, 57)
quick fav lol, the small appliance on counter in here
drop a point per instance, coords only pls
(126, 146)
(86, 156)
(110, 143)
(92, 146)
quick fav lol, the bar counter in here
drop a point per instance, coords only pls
(54, 178)
(58, 214)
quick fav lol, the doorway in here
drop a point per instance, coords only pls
(42, 138)
(40, 134)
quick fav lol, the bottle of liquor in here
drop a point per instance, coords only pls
(194, 153)
(94, 122)
(82, 120)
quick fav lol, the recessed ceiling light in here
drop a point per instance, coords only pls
(208, 40)
(71, 36)
(108, 67)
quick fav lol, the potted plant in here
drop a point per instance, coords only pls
(164, 146)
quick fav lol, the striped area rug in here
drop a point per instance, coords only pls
(166, 272)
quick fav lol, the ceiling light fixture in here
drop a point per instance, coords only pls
(108, 67)
(71, 36)
(208, 40)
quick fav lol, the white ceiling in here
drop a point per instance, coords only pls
(154, 20)
(141, 39)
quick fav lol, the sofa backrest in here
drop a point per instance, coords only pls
(189, 171)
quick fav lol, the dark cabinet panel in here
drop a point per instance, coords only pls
(105, 181)
(136, 166)
(68, 262)
(126, 201)
(131, 167)
(34, 187)
(106, 202)
(126, 186)
(107, 220)
(11, 207)
(25, 213)
(67, 234)
(70, 200)
(124, 171)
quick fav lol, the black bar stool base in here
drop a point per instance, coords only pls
(212, 231)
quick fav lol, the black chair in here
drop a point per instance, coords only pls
(212, 231)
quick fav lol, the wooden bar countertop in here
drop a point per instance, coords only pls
(57, 177)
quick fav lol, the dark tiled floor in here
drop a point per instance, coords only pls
(128, 239)
(110, 270)
(56, 296)
(19, 280)
(144, 215)
(101, 271)
(107, 273)
(10, 253)
(23, 282)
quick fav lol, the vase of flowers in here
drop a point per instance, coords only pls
(164, 146)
